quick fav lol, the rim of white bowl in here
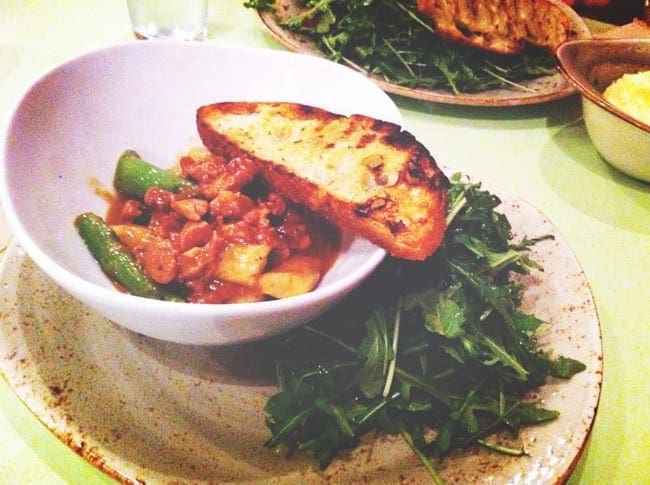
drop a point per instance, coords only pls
(98, 293)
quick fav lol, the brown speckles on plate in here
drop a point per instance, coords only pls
(147, 411)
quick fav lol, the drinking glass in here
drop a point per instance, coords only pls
(169, 19)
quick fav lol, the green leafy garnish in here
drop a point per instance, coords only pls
(437, 352)
(388, 38)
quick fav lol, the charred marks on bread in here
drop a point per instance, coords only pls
(395, 226)
(372, 205)
(308, 112)
(366, 139)
(439, 182)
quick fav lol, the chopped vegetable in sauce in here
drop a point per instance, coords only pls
(216, 233)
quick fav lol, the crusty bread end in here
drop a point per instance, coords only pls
(362, 174)
(500, 26)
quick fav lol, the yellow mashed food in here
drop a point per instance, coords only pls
(631, 94)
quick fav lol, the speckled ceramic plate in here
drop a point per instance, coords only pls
(534, 91)
(144, 410)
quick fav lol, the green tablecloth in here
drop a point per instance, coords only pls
(540, 153)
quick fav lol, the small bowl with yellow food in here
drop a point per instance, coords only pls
(613, 79)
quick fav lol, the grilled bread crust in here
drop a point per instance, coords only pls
(362, 174)
(500, 26)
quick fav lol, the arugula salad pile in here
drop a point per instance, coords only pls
(437, 352)
(388, 38)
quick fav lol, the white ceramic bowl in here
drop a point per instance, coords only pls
(591, 65)
(69, 128)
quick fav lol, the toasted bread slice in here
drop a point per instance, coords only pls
(500, 26)
(362, 174)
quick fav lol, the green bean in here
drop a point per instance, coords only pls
(115, 260)
(133, 176)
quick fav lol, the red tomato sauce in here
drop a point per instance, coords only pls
(213, 246)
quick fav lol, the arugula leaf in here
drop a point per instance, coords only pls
(565, 367)
(444, 316)
(376, 354)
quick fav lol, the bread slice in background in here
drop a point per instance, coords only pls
(499, 26)
(362, 174)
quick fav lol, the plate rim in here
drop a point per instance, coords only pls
(92, 454)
